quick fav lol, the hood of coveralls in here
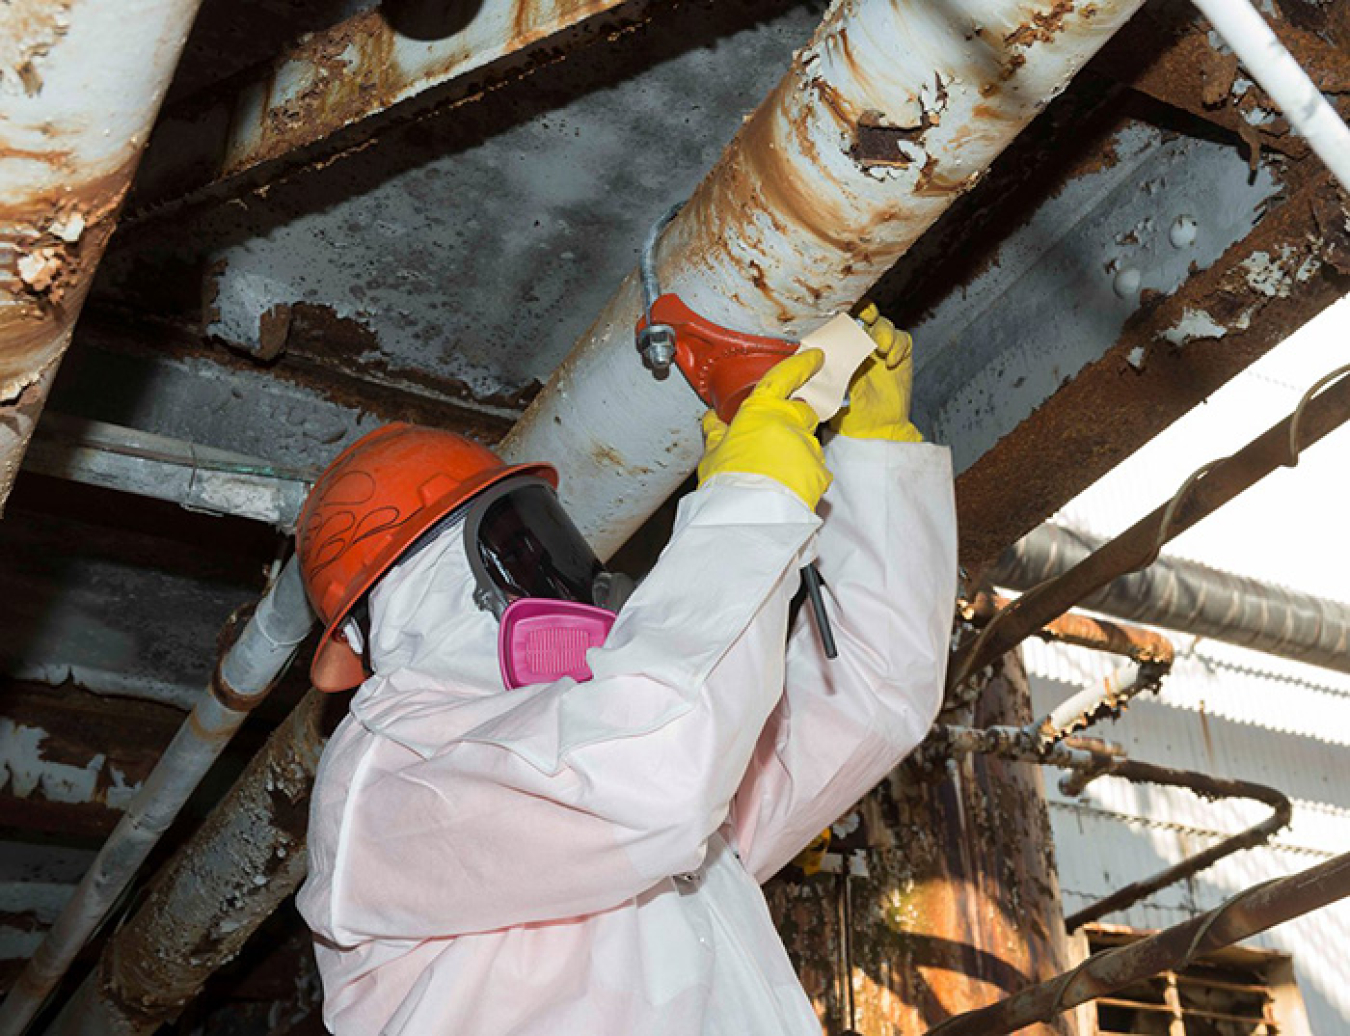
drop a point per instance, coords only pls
(432, 649)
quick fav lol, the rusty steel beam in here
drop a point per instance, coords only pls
(884, 118)
(205, 902)
(1139, 545)
(88, 79)
(1246, 914)
(335, 78)
(1172, 354)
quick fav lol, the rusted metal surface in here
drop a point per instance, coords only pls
(202, 906)
(1173, 354)
(792, 225)
(1080, 630)
(83, 81)
(1139, 545)
(72, 760)
(331, 79)
(1244, 915)
(960, 896)
(1184, 595)
(1090, 759)
(247, 671)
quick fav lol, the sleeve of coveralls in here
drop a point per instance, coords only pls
(588, 794)
(887, 554)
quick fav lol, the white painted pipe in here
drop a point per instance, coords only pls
(248, 670)
(1281, 76)
(890, 113)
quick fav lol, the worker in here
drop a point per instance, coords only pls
(581, 855)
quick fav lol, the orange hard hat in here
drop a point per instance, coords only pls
(367, 508)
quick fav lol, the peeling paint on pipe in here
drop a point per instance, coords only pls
(246, 673)
(803, 213)
(81, 82)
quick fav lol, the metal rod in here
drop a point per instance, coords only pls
(1281, 76)
(1184, 595)
(889, 114)
(1318, 413)
(1246, 914)
(246, 673)
(1207, 787)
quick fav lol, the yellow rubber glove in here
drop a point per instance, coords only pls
(812, 857)
(771, 434)
(879, 393)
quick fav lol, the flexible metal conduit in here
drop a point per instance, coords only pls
(1183, 595)
(245, 674)
(1246, 914)
(884, 118)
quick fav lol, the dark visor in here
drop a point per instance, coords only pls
(521, 543)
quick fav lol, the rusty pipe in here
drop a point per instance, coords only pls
(889, 113)
(1184, 595)
(89, 76)
(205, 902)
(246, 673)
(1089, 758)
(1319, 413)
(1078, 630)
(1208, 787)
(1246, 914)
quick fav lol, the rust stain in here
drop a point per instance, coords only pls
(29, 29)
(52, 242)
(1043, 27)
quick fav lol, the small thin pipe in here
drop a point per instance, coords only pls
(246, 673)
(1207, 787)
(1281, 76)
(1088, 759)
(1097, 700)
(1246, 914)
(1323, 409)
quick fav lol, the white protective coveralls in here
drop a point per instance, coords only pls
(585, 859)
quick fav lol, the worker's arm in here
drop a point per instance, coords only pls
(585, 795)
(887, 554)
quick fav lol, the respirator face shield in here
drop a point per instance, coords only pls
(537, 574)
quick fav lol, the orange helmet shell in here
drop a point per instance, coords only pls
(367, 508)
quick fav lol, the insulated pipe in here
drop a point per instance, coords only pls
(1184, 595)
(88, 79)
(888, 114)
(245, 674)
(1281, 76)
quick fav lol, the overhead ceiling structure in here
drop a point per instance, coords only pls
(348, 215)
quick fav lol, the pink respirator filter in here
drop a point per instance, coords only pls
(543, 640)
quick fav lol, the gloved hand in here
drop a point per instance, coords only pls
(771, 434)
(879, 393)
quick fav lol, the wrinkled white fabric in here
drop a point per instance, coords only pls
(584, 859)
